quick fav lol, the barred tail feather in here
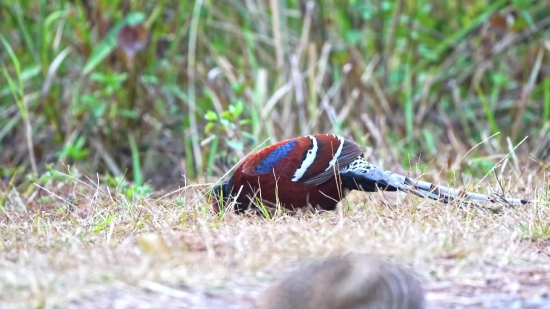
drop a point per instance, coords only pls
(445, 194)
(361, 175)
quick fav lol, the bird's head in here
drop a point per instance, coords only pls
(220, 194)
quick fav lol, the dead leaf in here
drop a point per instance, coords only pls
(132, 39)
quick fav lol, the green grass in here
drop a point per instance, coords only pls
(420, 70)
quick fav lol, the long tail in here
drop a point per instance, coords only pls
(361, 175)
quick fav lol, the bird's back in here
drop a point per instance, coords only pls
(296, 172)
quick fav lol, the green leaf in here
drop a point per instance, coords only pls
(228, 115)
(209, 126)
(55, 16)
(237, 145)
(31, 72)
(109, 79)
(237, 109)
(103, 224)
(211, 116)
(225, 122)
(237, 87)
(94, 105)
(10, 51)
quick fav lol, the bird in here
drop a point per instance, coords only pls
(318, 171)
(355, 281)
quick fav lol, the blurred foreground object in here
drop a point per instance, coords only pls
(351, 282)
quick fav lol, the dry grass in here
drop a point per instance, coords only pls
(172, 251)
(412, 80)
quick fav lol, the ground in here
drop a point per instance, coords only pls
(101, 249)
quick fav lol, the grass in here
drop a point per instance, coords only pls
(89, 246)
(133, 99)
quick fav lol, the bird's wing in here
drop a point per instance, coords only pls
(334, 153)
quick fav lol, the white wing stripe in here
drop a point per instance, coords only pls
(310, 158)
(338, 151)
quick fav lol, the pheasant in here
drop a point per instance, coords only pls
(315, 170)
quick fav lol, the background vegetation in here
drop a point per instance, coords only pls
(159, 91)
(103, 99)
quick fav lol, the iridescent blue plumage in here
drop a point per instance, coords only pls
(268, 163)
